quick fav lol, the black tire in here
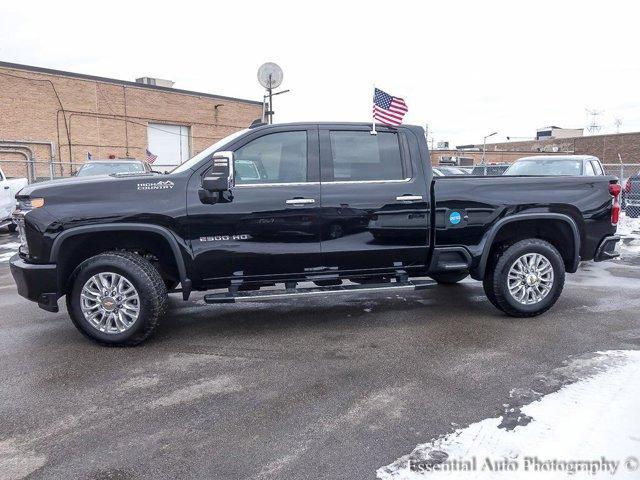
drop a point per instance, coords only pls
(142, 275)
(487, 284)
(449, 278)
(496, 286)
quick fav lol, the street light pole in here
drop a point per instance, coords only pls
(484, 144)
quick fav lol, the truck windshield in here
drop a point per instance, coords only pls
(107, 168)
(545, 167)
(192, 162)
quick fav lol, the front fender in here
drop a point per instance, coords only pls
(140, 227)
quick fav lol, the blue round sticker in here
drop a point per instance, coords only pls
(455, 218)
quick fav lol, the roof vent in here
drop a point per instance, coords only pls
(157, 82)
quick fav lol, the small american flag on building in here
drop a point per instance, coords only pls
(387, 109)
(151, 157)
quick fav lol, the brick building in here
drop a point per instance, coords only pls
(609, 148)
(50, 117)
(474, 157)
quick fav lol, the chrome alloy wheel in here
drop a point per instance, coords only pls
(110, 303)
(530, 278)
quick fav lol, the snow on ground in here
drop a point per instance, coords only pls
(590, 427)
(629, 230)
(628, 226)
(8, 250)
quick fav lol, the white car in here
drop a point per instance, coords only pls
(8, 189)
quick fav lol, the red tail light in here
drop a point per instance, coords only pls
(614, 190)
(627, 186)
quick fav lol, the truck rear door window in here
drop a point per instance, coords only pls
(274, 158)
(597, 167)
(588, 169)
(360, 156)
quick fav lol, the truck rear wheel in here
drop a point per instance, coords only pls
(527, 279)
(449, 278)
(117, 298)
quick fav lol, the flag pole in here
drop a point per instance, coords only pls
(373, 118)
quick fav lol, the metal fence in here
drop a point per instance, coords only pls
(630, 199)
(38, 170)
(487, 169)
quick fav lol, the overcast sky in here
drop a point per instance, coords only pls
(467, 68)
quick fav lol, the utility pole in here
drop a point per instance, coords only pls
(270, 90)
(593, 127)
(269, 113)
(617, 122)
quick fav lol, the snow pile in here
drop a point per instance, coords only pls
(8, 250)
(629, 230)
(628, 226)
(590, 428)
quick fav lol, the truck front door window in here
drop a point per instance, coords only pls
(274, 158)
(360, 156)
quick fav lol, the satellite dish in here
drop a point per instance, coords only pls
(270, 75)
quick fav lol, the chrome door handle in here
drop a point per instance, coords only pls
(300, 201)
(409, 198)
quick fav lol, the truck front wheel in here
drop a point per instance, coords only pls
(116, 298)
(527, 279)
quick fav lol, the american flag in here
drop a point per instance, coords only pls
(151, 157)
(387, 109)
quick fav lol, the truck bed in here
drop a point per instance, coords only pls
(483, 201)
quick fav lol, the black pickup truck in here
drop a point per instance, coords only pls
(268, 210)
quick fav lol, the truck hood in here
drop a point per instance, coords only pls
(83, 183)
(79, 201)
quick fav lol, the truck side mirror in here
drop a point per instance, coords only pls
(220, 178)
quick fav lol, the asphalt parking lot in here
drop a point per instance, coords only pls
(326, 388)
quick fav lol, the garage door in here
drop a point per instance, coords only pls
(169, 142)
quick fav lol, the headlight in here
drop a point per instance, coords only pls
(18, 219)
(24, 206)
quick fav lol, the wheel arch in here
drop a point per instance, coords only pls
(168, 244)
(570, 250)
